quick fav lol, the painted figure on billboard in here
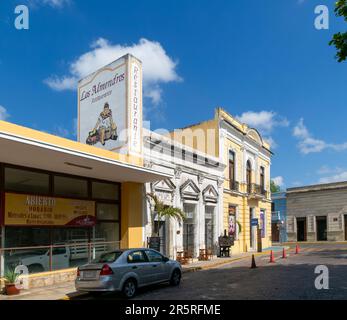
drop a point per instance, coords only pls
(105, 128)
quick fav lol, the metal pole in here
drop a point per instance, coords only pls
(50, 258)
(2, 252)
(89, 251)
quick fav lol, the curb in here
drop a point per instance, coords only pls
(314, 242)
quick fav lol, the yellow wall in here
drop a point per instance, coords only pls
(242, 201)
(132, 215)
(203, 137)
(239, 199)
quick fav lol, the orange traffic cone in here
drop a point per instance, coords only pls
(297, 249)
(284, 254)
(272, 257)
(253, 266)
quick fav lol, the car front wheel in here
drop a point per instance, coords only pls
(175, 278)
(129, 289)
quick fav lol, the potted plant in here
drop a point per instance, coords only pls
(11, 277)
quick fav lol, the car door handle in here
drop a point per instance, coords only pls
(154, 265)
(134, 267)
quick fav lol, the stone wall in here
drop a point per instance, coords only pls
(48, 278)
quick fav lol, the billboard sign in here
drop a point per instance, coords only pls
(110, 107)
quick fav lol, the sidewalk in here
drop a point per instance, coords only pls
(65, 291)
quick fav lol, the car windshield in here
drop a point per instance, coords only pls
(108, 257)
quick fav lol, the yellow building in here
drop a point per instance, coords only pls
(247, 202)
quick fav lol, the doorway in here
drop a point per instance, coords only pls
(252, 229)
(301, 229)
(209, 228)
(321, 228)
(189, 229)
(275, 232)
(162, 235)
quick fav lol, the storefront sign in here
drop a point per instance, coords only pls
(254, 222)
(135, 108)
(110, 107)
(154, 243)
(32, 210)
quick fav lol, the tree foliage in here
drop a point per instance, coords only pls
(161, 210)
(340, 39)
(274, 187)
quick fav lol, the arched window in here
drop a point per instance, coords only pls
(249, 176)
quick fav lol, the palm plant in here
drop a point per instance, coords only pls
(11, 276)
(161, 210)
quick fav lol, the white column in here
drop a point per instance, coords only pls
(220, 211)
(178, 242)
(201, 218)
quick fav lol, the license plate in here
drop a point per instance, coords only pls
(89, 274)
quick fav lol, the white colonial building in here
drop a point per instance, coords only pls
(196, 187)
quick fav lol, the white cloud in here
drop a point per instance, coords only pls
(271, 142)
(342, 176)
(60, 84)
(279, 181)
(308, 144)
(297, 183)
(3, 113)
(328, 170)
(158, 67)
(265, 122)
(52, 3)
(61, 131)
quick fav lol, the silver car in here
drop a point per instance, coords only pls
(126, 271)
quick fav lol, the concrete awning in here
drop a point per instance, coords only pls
(31, 148)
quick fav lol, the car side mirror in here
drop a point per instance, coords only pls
(166, 259)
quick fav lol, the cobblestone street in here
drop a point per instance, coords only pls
(291, 278)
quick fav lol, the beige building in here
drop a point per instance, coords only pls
(247, 159)
(317, 212)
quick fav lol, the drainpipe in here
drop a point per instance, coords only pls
(2, 260)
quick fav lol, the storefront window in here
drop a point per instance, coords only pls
(75, 247)
(27, 237)
(105, 191)
(70, 187)
(26, 181)
(106, 211)
(70, 235)
(70, 248)
(107, 232)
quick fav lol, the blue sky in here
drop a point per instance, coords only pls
(263, 61)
